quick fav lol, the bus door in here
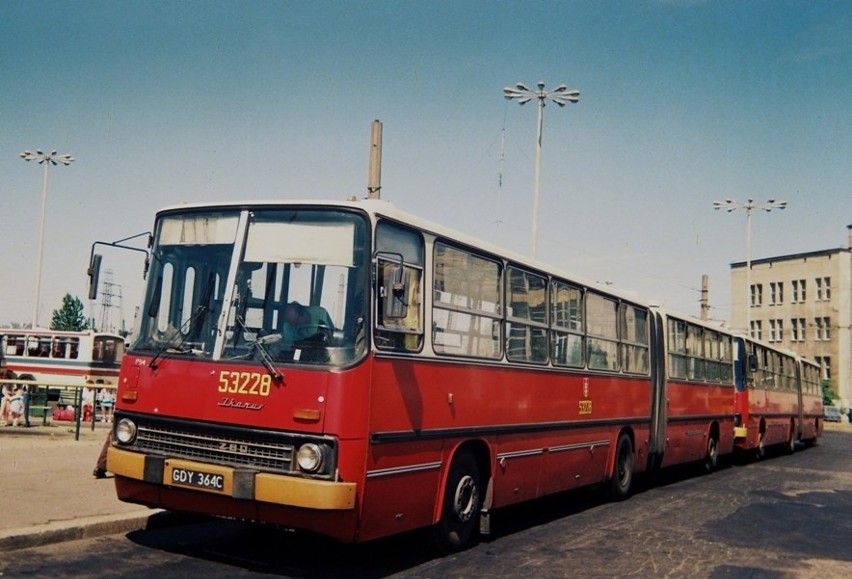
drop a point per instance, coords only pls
(743, 367)
(799, 388)
(659, 415)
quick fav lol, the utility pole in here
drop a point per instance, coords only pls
(374, 178)
(705, 297)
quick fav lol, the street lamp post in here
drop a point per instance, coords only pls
(561, 95)
(730, 205)
(47, 160)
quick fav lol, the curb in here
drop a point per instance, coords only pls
(81, 528)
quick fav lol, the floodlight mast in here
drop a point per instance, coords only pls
(561, 95)
(731, 205)
(53, 158)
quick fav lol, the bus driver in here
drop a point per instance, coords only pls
(305, 323)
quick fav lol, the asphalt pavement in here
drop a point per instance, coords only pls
(48, 493)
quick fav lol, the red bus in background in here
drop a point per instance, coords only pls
(351, 370)
(699, 392)
(778, 398)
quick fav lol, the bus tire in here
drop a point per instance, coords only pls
(711, 457)
(760, 451)
(461, 506)
(791, 442)
(622, 469)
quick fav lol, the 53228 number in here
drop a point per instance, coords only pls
(249, 383)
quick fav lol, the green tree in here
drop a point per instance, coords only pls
(828, 393)
(70, 315)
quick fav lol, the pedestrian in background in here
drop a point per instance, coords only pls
(106, 399)
(16, 406)
(5, 397)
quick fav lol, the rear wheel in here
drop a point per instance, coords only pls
(462, 504)
(622, 471)
(761, 445)
(791, 441)
(711, 457)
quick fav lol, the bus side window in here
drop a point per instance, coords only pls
(109, 351)
(399, 273)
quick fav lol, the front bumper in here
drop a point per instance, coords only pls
(237, 483)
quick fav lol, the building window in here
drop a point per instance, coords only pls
(776, 293)
(823, 288)
(798, 287)
(824, 367)
(776, 330)
(756, 292)
(756, 329)
(797, 329)
(822, 329)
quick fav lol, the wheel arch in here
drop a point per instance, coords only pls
(482, 453)
(627, 430)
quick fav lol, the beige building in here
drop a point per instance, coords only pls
(802, 303)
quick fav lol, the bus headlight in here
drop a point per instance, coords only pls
(125, 431)
(310, 457)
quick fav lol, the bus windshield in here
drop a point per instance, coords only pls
(289, 284)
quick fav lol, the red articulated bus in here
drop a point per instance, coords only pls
(351, 370)
(698, 392)
(778, 399)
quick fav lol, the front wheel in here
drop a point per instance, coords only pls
(461, 506)
(622, 471)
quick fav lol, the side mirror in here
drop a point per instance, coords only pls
(94, 273)
(752, 363)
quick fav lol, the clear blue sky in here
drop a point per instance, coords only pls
(683, 102)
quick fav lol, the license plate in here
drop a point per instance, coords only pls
(193, 478)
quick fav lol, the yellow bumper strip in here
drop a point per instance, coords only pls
(270, 488)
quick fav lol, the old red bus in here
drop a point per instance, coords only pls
(778, 398)
(352, 370)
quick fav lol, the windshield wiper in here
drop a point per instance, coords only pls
(183, 346)
(265, 358)
(203, 309)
